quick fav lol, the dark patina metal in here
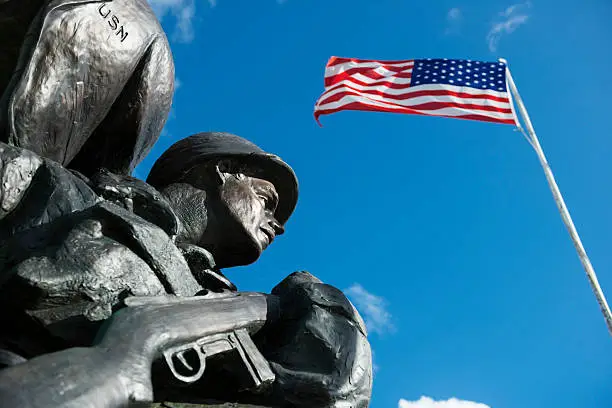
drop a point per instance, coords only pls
(111, 288)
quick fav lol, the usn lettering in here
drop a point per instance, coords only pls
(113, 21)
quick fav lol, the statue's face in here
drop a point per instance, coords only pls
(228, 213)
(252, 202)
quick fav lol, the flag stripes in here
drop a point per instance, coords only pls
(440, 87)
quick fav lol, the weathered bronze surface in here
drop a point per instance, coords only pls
(112, 288)
(85, 83)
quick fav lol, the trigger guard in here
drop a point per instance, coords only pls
(187, 379)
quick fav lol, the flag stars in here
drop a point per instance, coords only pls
(475, 74)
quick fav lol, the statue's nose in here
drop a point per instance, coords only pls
(278, 228)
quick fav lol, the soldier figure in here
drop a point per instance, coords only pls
(220, 201)
(84, 247)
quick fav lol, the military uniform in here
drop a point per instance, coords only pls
(100, 240)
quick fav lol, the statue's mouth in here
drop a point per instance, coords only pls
(269, 233)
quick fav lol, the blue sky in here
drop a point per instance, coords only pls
(443, 232)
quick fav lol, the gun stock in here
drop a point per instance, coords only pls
(117, 370)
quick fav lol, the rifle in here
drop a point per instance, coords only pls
(117, 370)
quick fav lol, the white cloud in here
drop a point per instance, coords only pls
(372, 308)
(512, 18)
(426, 402)
(183, 12)
(454, 17)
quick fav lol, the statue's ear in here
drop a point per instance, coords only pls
(220, 172)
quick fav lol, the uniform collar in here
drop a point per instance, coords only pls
(203, 267)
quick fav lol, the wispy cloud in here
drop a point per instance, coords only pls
(454, 14)
(426, 402)
(183, 12)
(375, 367)
(454, 17)
(373, 309)
(507, 22)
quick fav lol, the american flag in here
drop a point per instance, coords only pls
(463, 89)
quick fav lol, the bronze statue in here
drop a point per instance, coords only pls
(85, 83)
(111, 288)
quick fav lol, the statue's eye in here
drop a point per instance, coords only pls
(265, 199)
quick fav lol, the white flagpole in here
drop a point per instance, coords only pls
(565, 215)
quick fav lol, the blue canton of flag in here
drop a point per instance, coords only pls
(475, 74)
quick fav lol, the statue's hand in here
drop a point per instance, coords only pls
(17, 167)
(318, 348)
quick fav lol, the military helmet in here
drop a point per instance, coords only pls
(181, 161)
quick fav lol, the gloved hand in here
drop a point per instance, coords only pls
(317, 347)
(17, 167)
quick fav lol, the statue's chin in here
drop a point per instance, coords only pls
(238, 255)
